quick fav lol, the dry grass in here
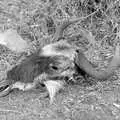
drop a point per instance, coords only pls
(97, 34)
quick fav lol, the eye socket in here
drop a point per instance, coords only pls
(53, 67)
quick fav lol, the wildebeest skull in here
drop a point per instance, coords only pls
(52, 61)
(48, 69)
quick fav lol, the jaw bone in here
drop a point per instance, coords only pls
(19, 85)
(23, 86)
(52, 86)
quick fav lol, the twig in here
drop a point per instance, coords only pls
(65, 24)
(5, 110)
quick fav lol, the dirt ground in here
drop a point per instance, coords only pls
(99, 102)
(35, 21)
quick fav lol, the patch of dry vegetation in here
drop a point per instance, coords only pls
(96, 34)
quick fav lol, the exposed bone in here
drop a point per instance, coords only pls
(23, 86)
(53, 87)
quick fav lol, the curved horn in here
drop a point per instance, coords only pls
(85, 65)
